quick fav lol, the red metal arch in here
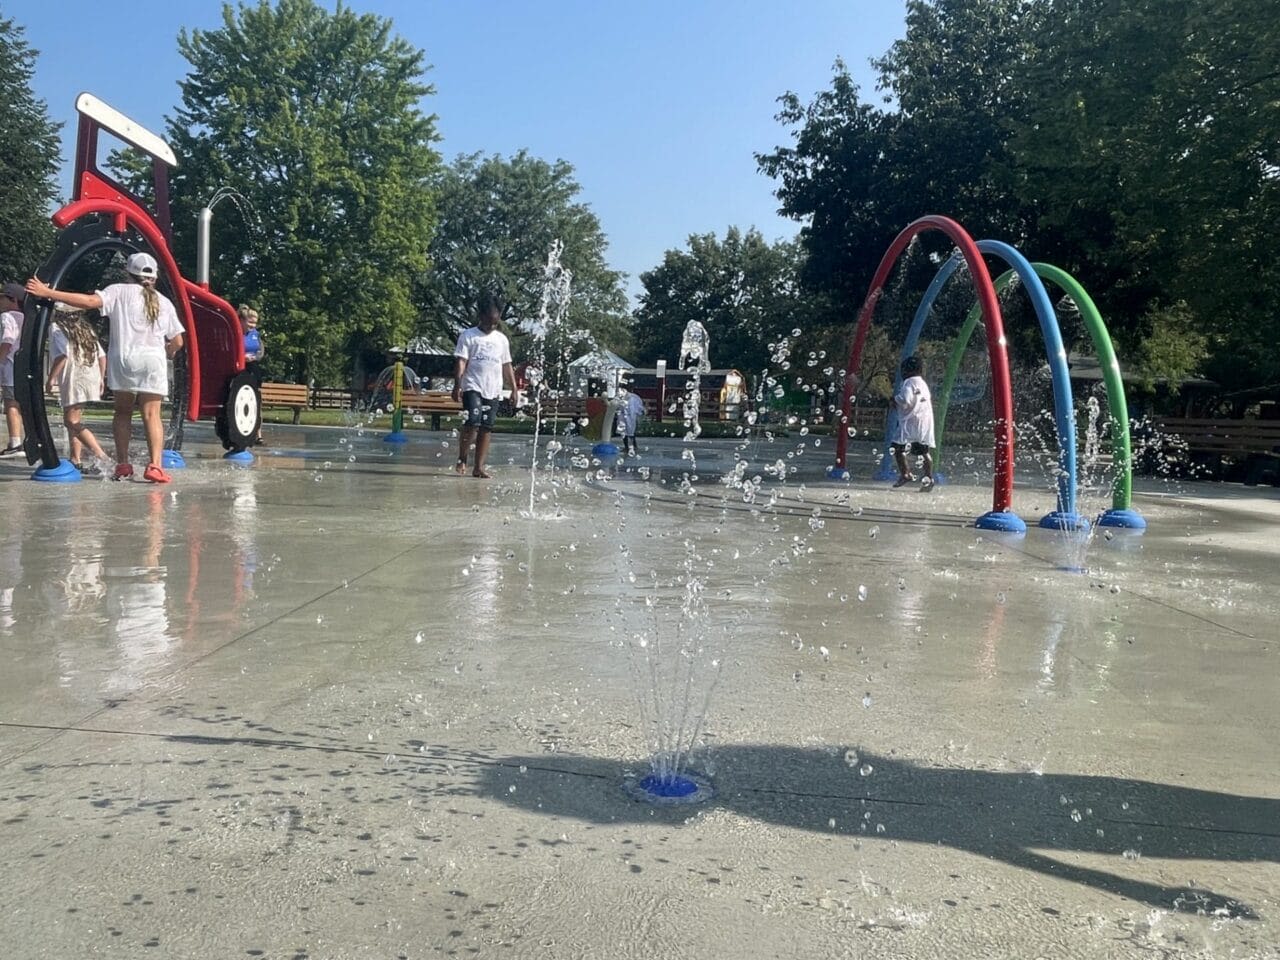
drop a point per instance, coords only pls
(997, 348)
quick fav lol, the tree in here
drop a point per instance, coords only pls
(1150, 149)
(28, 162)
(313, 118)
(743, 290)
(498, 219)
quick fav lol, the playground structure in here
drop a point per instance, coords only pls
(987, 310)
(104, 217)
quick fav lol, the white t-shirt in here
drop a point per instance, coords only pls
(485, 354)
(11, 334)
(915, 412)
(79, 382)
(136, 360)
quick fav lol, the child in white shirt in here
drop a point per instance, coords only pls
(913, 427)
(79, 368)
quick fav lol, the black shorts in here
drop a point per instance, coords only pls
(480, 412)
(917, 449)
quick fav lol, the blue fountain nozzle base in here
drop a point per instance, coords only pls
(939, 478)
(837, 472)
(238, 456)
(396, 436)
(1001, 521)
(1064, 520)
(64, 472)
(1123, 519)
(172, 460)
(672, 790)
(605, 451)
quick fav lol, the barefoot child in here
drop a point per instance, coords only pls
(482, 360)
(914, 426)
(79, 368)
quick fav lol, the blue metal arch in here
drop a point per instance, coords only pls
(1063, 400)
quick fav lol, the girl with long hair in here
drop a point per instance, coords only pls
(145, 335)
(78, 370)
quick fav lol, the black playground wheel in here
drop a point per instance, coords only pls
(240, 419)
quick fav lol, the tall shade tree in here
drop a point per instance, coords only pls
(1151, 151)
(744, 290)
(315, 118)
(498, 219)
(28, 161)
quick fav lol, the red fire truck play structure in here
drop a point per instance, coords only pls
(104, 218)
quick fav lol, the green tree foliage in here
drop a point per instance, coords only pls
(745, 291)
(498, 219)
(1132, 143)
(28, 161)
(1149, 149)
(314, 117)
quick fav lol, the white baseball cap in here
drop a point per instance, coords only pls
(142, 265)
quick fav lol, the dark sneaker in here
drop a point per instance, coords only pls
(89, 469)
(903, 481)
(12, 450)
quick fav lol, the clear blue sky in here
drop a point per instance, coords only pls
(659, 105)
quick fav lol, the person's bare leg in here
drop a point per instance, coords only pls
(81, 436)
(71, 420)
(928, 464)
(154, 427)
(121, 423)
(482, 454)
(13, 419)
(904, 474)
(468, 437)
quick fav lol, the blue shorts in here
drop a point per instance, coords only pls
(480, 412)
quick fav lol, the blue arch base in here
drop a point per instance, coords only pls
(238, 456)
(1123, 519)
(1062, 520)
(1001, 521)
(887, 470)
(605, 451)
(64, 472)
(172, 460)
(837, 473)
(396, 436)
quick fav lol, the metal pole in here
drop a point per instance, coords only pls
(202, 246)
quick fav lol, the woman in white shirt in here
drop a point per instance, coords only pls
(145, 334)
(78, 370)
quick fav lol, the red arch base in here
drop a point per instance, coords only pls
(997, 351)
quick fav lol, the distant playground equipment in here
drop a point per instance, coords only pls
(104, 217)
(389, 387)
(987, 309)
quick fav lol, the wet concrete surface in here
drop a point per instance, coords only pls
(343, 703)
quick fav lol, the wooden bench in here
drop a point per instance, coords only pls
(1257, 442)
(432, 402)
(331, 398)
(285, 395)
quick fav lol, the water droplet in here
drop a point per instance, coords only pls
(866, 700)
(511, 789)
(832, 823)
(1131, 854)
(873, 532)
(418, 637)
(862, 591)
(865, 770)
(1000, 597)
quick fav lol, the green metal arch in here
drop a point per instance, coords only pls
(1122, 485)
